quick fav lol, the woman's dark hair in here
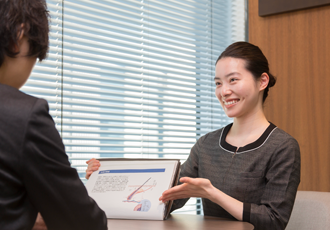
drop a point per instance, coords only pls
(255, 60)
(34, 15)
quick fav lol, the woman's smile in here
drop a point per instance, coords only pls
(230, 103)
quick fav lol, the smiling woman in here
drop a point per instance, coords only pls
(236, 89)
(250, 169)
(254, 61)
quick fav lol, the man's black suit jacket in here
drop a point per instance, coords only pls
(35, 174)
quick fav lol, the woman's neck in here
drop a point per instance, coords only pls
(247, 130)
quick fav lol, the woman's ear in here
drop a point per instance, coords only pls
(264, 80)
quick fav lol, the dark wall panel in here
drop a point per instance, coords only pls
(269, 7)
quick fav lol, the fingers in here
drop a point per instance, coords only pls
(93, 168)
(186, 179)
(88, 174)
(199, 182)
(91, 160)
(190, 187)
(177, 192)
(174, 196)
(93, 165)
(173, 190)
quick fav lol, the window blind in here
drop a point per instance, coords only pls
(134, 78)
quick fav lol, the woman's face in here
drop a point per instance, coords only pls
(240, 95)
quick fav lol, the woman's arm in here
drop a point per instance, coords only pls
(283, 177)
(192, 186)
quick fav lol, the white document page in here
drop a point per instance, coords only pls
(131, 189)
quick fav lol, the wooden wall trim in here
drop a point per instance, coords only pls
(297, 46)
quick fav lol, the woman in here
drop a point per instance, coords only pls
(35, 174)
(250, 169)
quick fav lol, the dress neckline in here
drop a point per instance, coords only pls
(254, 145)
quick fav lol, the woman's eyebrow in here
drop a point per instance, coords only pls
(226, 76)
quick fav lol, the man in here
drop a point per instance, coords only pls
(35, 174)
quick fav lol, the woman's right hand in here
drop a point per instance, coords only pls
(93, 165)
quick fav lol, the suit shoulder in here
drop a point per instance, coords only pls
(12, 98)
(16, 107)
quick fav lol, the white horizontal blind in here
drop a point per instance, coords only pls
(134, 78)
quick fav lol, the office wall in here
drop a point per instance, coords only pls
(297, 45)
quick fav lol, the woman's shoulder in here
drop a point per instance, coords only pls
(280, 135)
(280, 139)
(213, 135)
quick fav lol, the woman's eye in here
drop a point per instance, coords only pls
(233, 79)
(217, 83)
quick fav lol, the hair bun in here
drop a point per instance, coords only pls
(272, 80)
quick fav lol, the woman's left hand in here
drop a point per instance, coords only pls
(191, 187)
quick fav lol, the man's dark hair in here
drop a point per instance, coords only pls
(34, 15)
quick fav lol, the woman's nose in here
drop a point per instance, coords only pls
(225, 91)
